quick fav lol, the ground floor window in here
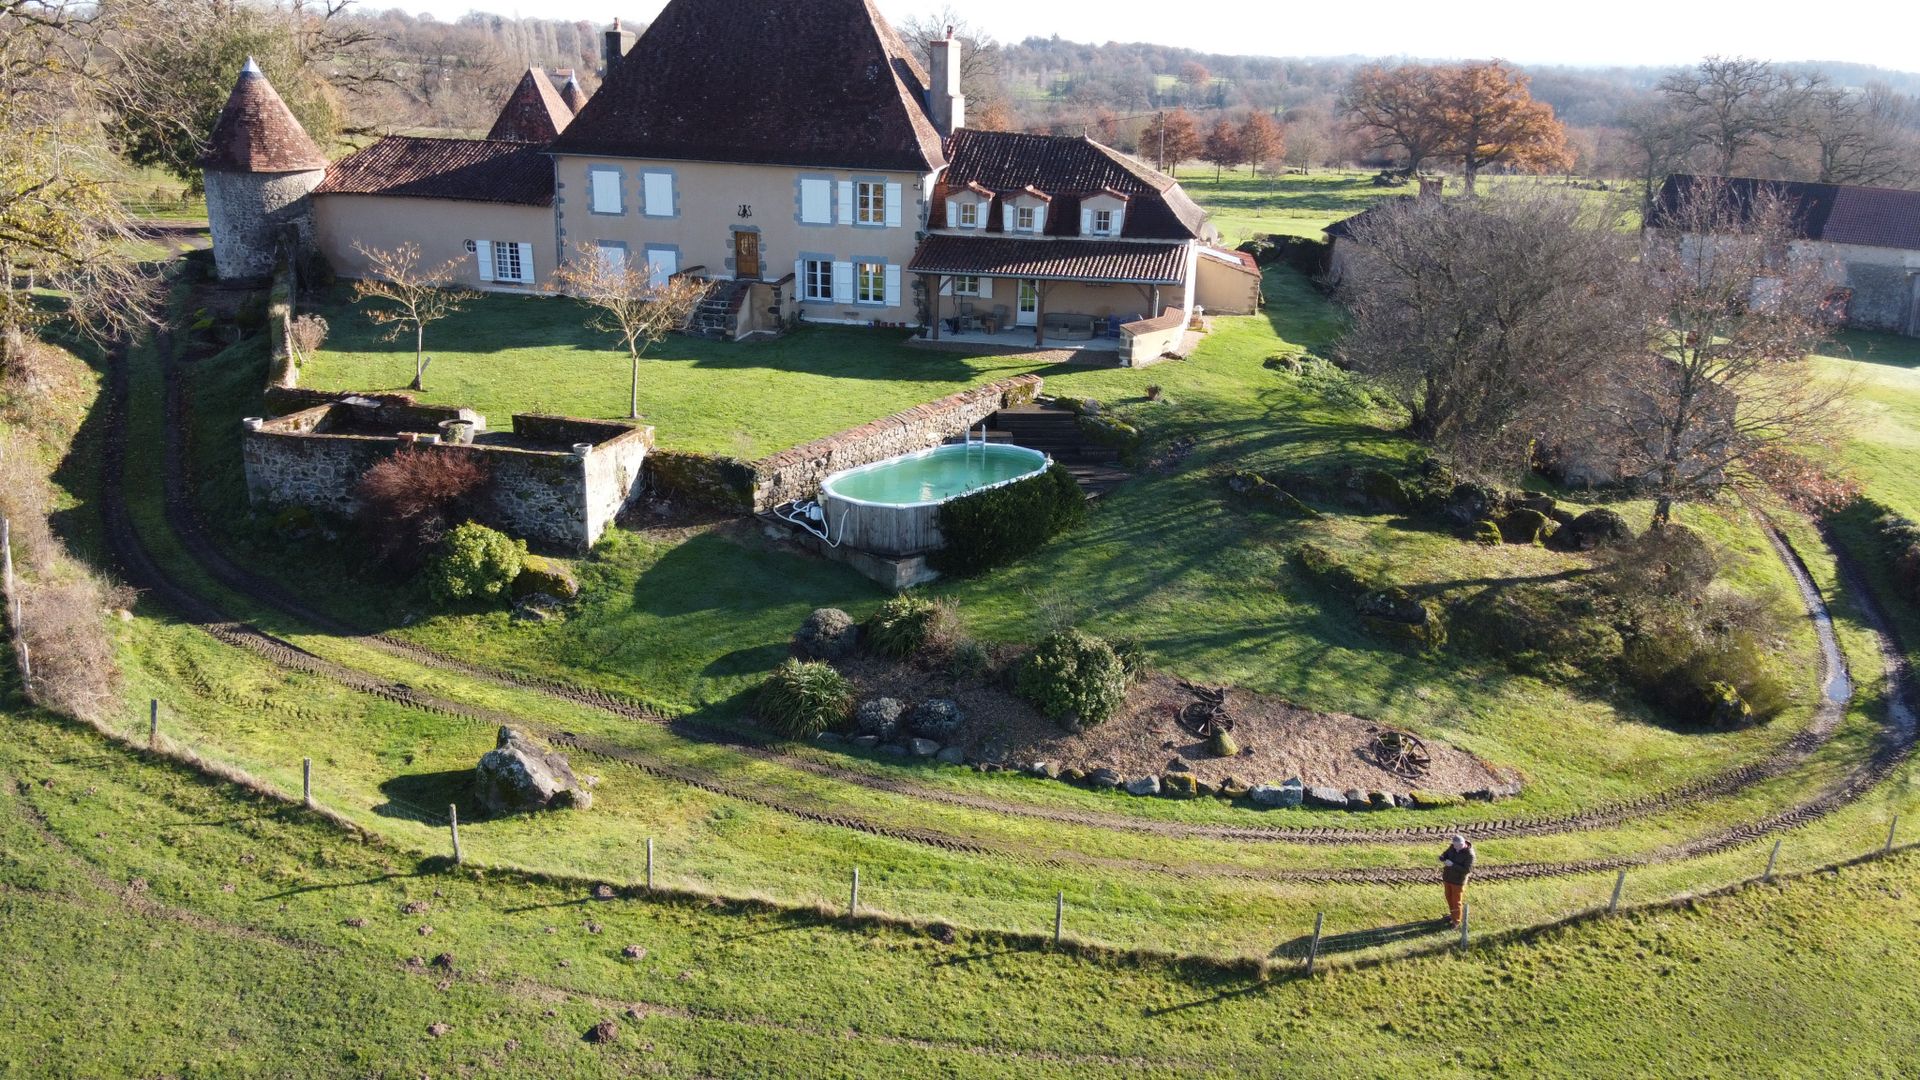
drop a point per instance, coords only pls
(966, 285)
(507, 264)
(870, 282)
(819, 280)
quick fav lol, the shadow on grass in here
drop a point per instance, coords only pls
(425, 797)
(1355, 940)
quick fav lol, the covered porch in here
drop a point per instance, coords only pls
(1046, 294)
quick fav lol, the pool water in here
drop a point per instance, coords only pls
(935, 475)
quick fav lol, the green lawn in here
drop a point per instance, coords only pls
(504, 354)
(1883, 426)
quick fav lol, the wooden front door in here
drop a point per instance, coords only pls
(746, 255)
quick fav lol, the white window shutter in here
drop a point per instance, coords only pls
(986, 288)
(484, 248)
(846, 202)
(946, 286)
(800, 278)
(893, 206)
(953, 213)
(816, 201)
(893, 285)
(843, 283)
(1086, 221)
(1040, 218)
(1119, 220)
(526, 264)
(657, 187)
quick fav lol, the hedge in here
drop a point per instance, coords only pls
(996, 526)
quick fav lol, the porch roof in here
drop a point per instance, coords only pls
(1053, 260)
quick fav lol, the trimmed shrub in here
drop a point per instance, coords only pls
(970, 661)
(1071, 674)
(879, 717)
(1000, 525)
(542, 575)
(474, 563)
(907, 625)
(1488, 533)
(936, 719)
(828, 634)
(801, 699)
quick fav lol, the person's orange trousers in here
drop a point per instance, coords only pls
(1454, 902)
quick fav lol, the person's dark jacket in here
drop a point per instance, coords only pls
(1457, 864)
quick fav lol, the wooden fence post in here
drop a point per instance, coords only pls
(1313, 950)
(1465, 910)
(1892, 826)
(153, 723)
(1059, 915)
(649, 864)
(453, 822)
(306, 782)
(853, 898)
(6, 557)
(1619, 883)
(1771, 859)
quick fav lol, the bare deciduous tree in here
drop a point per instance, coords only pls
(1728, 378)
(1730, 105)
(406, 295)
(632, 306)
(1491, 320)
(981, 78)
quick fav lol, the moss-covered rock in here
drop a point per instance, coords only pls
(1382, 489)
(1257, 490)
(1593, 530)
(1179, 785)
(1114, 434)
(541, 575)
(1325, 566)
(1222, 744)
(1524, 525)
(1434, 800)
(1726, 708)
(1488, 533)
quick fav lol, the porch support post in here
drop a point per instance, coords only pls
(933, 305)
(1146, 293)
(1039, 313)
(1155, 313)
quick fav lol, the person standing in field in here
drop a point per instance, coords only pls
(1456, 865)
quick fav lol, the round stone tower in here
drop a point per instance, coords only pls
(259, 166)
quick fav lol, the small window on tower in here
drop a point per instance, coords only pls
(472, 247)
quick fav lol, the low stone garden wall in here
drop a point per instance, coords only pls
(797, 473)
(1143, 342)
(557, 481)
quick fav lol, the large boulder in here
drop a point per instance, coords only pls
(1525, 525)
(1594, 529)
(519, 775)
(828, 634)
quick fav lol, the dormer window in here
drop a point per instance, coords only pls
(1023, 219)
(968, 214)
(1103, 223)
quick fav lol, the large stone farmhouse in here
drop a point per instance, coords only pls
(1866, 238)
(798, 156)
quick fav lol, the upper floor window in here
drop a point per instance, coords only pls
(1024, 218)
(816, 201)
(604, 190)
(1103, 223)
(658, 188)
(969, 213)
(870, 206)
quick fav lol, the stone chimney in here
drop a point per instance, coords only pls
(945, 101)
(615, 45)
(1430, 188)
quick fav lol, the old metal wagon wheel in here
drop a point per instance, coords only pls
(1401, 752)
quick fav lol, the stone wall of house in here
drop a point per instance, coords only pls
(797, 473)
(248, 212)
(561, 484)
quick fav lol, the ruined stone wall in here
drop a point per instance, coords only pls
(555, 497)
(246, 213)
(797, 473)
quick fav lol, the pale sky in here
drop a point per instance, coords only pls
(1587, 32)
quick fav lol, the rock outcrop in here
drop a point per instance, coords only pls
(519, 775)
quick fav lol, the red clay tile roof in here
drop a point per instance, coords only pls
(1067, 168)
(826, 83)
(571, 93)
(473, 170)
(257, 133)
(1836, 213)
(1058, 260)
(534, 111)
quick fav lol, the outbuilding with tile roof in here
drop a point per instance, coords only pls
(258, 168)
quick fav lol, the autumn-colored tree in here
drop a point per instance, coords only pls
(1261, 142)
(1396, 109)
(1487, 116)
(633, 307)
(1223, 149)
(408, 296)
(1171, 138)
(1195, 75)
(997, 116)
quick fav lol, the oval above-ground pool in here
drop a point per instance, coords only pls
(892, 507)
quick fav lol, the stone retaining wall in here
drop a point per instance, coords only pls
(1146, 341)
(797, 473)
(540, 487)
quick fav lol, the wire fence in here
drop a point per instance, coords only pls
(1298, 928)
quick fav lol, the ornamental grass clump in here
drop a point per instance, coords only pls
(908, 625)
(803, 698)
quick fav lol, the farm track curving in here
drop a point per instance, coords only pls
(138, 563)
